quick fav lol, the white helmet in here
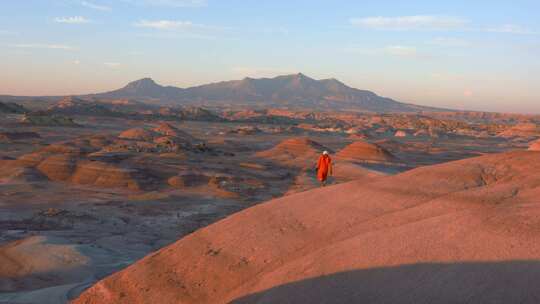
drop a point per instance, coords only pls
(325, 153)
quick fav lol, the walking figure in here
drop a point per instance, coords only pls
(324, 168)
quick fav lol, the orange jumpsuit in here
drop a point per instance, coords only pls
(323, 167)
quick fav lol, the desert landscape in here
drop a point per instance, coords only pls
(209, 152)
(92, 185)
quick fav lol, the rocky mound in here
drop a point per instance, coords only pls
(461, 232)
(364, 151)
(138, 134)
(74, 164)
(293, 150)
(521, 130)
(534, 146)
(108, 175)
(58, 167)
(15, 171)
(75, 106)
(32, 159)
(168, 130)
(174, 134)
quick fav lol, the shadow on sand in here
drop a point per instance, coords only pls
(490, 282)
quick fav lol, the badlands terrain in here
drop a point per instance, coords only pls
(109, 198)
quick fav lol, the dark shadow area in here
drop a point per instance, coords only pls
(438, 283)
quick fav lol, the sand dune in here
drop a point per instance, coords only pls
(462, 232)
(295, 151)
(364, 151)
(167, 129)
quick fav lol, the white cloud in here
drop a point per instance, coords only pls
(169, 3)
(167, 24)
(404, 23)
(112, 65)
(178, 35)
(172, 29)
(76, 62)
(43, 46)
(72, 20)
(432, 23)
(510, 29)
(95, 6)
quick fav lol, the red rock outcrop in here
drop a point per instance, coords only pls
(106, 175)
(138, 134)
(58, 167)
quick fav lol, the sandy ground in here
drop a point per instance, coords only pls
(58, 237)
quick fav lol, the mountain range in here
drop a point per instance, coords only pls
(294, 92)
(287, 91)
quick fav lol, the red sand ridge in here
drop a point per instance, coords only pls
(138, 134)
(534, 146)
(294, 150)
(462, 232)
(364, 151)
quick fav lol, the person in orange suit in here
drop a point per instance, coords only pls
(324, 168)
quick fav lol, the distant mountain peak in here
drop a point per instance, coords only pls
(142, 83)
(297, 80)
(145, 80)
(298, 76)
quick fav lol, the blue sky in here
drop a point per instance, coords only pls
(481, 55)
